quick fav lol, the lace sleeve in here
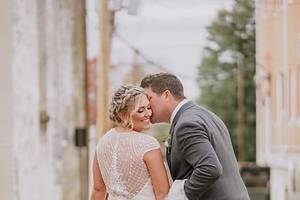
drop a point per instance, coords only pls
(149, 143)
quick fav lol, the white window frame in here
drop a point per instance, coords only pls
(293, 97)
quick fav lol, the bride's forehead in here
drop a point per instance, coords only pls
(142, 100)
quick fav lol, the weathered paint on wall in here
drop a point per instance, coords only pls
(6, 101)
(47, 76)
(278, 94)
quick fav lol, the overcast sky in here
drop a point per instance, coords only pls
(169, 32)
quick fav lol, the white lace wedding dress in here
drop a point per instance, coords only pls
(120, 157)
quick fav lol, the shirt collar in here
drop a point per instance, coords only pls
(181, 103)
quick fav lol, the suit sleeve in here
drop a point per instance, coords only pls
(197, 150)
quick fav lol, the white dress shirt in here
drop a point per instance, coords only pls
(181, 103)
(176, 191)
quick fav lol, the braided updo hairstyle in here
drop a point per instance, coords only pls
(123, 101)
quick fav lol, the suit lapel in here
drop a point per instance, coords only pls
(169, 148)
(171, 132)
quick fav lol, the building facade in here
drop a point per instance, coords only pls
(43, 100)
(278, 94)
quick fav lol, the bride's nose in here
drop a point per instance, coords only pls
(148, 113)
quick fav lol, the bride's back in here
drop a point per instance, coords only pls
(120, 157)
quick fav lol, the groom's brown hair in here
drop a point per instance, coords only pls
(164, 81)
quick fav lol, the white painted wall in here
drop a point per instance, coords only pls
(6, 101)
(279, 182)
(42, 68)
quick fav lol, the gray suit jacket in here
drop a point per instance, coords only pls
(201, 151)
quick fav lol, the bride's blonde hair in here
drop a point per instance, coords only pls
(123, 102)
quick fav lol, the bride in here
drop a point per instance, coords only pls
(128, 164)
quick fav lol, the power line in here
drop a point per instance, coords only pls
(146, 58)
(139, 53)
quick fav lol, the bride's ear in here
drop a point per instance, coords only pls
(126, 122)
(123, 116)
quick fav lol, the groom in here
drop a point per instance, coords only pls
(200, 154)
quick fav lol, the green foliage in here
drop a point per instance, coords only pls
(161, 132)
(231, 41)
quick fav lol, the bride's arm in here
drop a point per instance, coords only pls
(158, 173)
(99, 188)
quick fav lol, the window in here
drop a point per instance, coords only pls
(298, 92)
(279, 96)
(293, 94)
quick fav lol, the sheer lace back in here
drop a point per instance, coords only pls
(120, 157)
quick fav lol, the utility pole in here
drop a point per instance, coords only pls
(241, 108)
(103, 67)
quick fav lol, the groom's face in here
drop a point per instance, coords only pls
(158, 106)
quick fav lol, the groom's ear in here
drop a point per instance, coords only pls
(167, 94)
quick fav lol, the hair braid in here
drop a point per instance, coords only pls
(122, 102)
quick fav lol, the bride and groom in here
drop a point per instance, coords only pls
(129, 164)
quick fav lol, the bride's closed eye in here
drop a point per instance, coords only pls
(142, 109)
